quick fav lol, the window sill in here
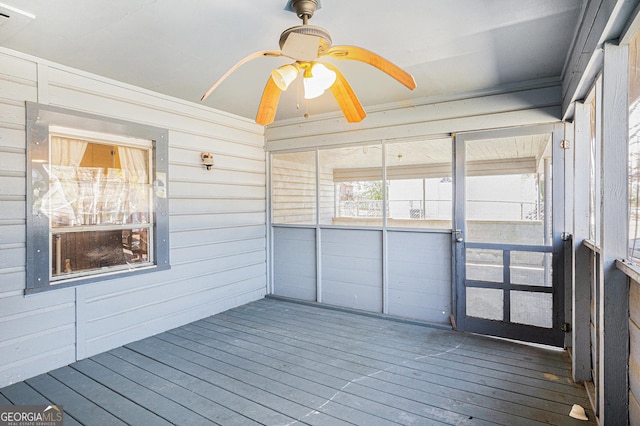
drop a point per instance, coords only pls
(631, 269)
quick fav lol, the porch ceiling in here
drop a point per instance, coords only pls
(180, 49)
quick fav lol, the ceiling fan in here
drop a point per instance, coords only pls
(306, 45)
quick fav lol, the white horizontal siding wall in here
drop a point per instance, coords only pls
(217, 223)
(36, 333)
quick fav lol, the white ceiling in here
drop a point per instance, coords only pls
(180, 48)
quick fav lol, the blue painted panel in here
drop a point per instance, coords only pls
(352, 268)
(294, 264)
(420, 276)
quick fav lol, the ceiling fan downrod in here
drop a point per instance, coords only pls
(304, 9)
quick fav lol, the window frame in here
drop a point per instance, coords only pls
(384, 172)
(593, 101)
(633, 99)
(41, 120)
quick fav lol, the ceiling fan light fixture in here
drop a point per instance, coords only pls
(317, 79)
(285, 75)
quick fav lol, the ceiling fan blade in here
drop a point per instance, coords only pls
(346, 98)
(268, 103)
(355, 53)
(236, 66)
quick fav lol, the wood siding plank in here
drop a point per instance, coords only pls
(613, 331)
(581, 291)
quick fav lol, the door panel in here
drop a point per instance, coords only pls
(506, 285)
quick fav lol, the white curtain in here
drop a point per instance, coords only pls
(67, 152)
(61, 201)
(133, 162)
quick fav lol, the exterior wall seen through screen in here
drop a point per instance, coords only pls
(293, 188)
(508, 190)
(351, 186)
(420, 188)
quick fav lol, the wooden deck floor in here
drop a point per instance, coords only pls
(278, 363)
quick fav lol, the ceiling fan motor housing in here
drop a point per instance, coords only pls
(310, 30)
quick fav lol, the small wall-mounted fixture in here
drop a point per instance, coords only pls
(207, 159)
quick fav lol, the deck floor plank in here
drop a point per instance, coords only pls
(547, 373)
(206, 408)
(420, 356)
(22, 393)
(77, 409)
(139, 394)
(273, 362)
(205, 398)
(314, 368)
(298, 388)
(502, 348)
(385, 345)
(479, 406)
(106, 398)
(320, 395)
(245, 398)
(331, 352)
(536, 413)
(265, 391)
(285, 368)
(4, 401)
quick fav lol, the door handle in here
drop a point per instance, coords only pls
(459, 239)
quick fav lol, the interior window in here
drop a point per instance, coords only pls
(98, 205)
